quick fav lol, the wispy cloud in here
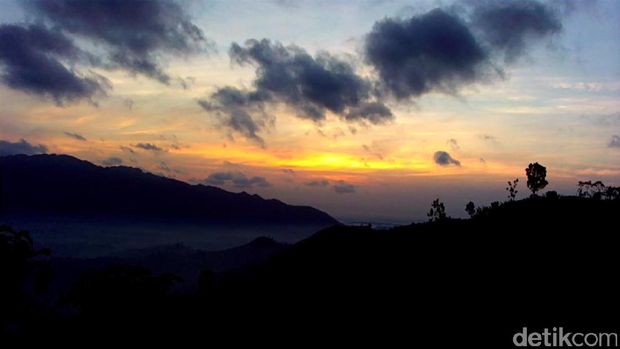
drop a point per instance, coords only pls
(77, 136)
(148, 147)
(112, 161)
(318, 183)
(342, 187)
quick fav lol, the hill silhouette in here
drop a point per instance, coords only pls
(541, 262)
(64, 185)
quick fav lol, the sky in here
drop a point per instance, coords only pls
(365, 109)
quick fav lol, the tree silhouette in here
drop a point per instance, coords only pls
(583, 189)
(597, 190)
(612, 193)
(512, 189)
(23, 276)
(18, 259)
(593, 190)
(470, 208)
(536, 177)
(437, 212)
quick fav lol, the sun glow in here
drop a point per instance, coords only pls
(335, 161)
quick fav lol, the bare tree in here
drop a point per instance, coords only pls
(512, 189)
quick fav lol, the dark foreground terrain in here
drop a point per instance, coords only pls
(536, 263)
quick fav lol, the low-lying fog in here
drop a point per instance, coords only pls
(101, 237)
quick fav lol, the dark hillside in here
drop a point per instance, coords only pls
(64, 185)
(536, 263)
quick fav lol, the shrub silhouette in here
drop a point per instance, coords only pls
(591, 190)
(612, 193)
(597, 190)
(536, 177)
(437, 212)
(470, 208)
(553, 195)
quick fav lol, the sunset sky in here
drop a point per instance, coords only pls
(366, 109)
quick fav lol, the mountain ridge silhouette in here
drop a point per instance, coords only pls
(51, 184)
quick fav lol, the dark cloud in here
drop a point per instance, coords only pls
(614, 142)
(21, 147)
(135, 35)
(442, 158)
(509, 26)
(440, 51)
(240, 111)
(342, 187)
(374, 112)
(112, 161)
(236, 179)
(311, 86)
(148, 146)
(77, 136)
(38, 61)
(435, 51)
(289, 171)
(318, 183)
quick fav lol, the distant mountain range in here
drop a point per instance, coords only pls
(64, 185)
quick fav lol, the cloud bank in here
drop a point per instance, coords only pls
(435, 51)
(36, 60)
(135, 35)
(310, 85)
(438, 51)
(342, 187)
(42, 58)
(21, 147)
(236, 179)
